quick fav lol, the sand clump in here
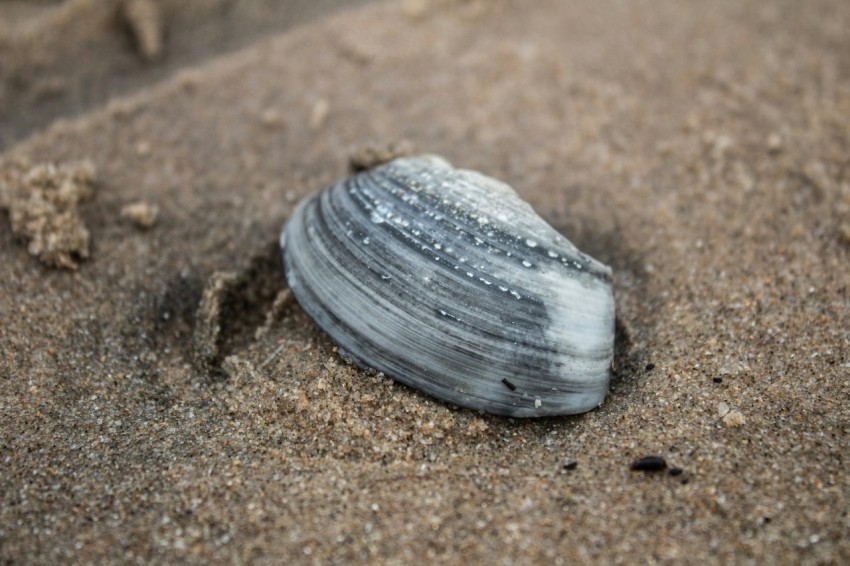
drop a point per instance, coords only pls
(371, 155)
(208, 325)
(235, 307)
(42, 202)
(144, 19)
(142, 214)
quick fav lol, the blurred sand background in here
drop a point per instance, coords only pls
(63, 57)
(161, 399)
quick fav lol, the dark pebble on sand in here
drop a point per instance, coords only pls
(649, 464)
(571, 466)
(650, 367)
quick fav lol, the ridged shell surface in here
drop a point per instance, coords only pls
(445, 280)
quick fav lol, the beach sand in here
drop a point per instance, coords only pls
(163, 399)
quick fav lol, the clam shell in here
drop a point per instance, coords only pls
(447, 281)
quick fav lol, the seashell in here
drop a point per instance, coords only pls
(447, 281)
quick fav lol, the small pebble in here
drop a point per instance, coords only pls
(319, 114)
(774, 143)
(718, 380)
(143, 149)
(571, 466)
(676, 471)
(734, 419)
(649, 464)
(271, 118)
(650, 367)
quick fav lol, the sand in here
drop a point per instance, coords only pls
(62, 58)
(168, 401)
